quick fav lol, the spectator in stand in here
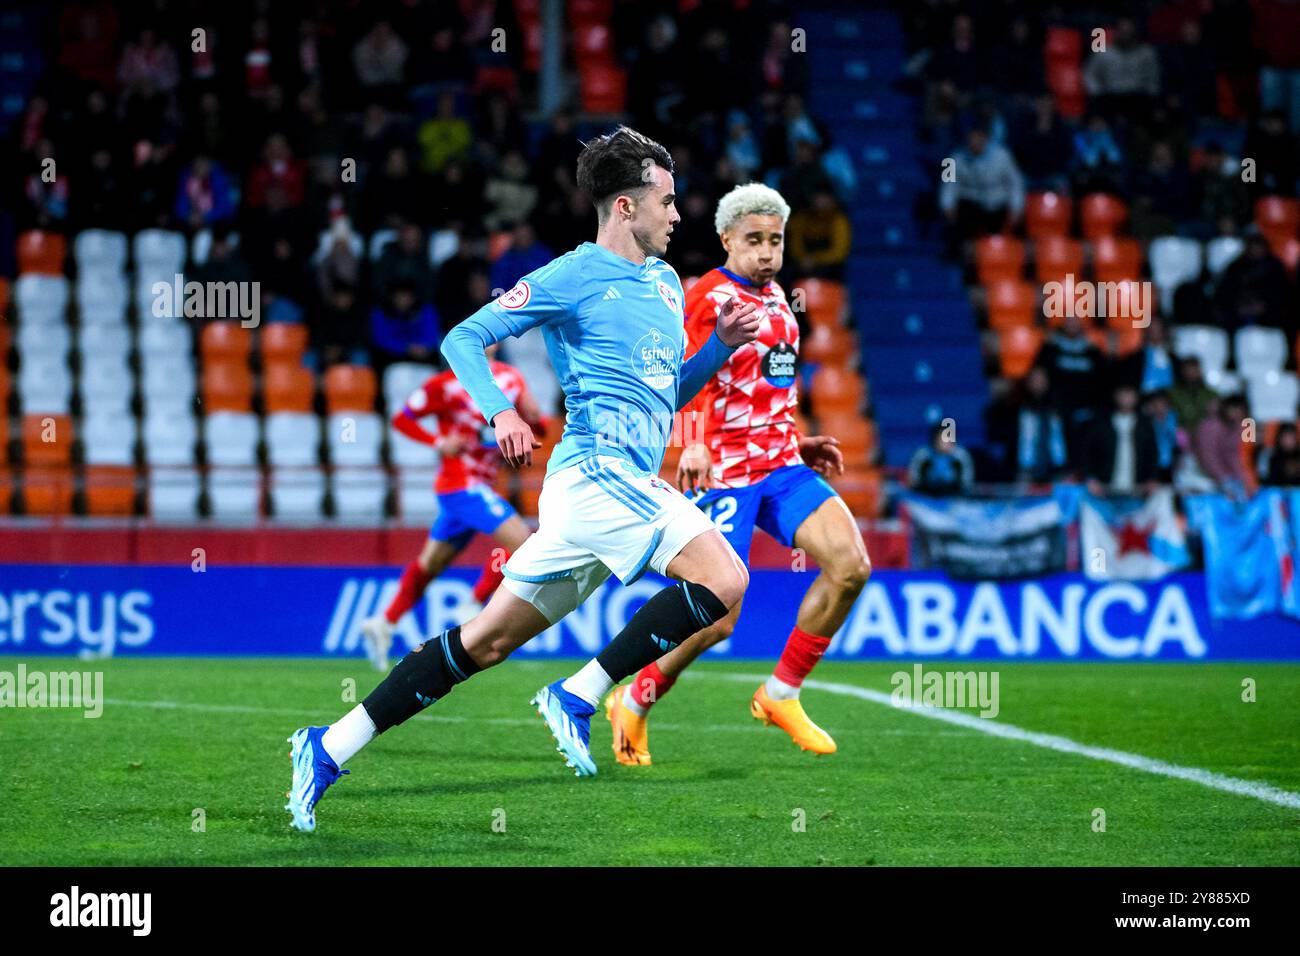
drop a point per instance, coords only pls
(1275, 152)
(819, 238)
(1160, 195)
(278, 185)
(1280, 465)
(1074, 366)
(379, 59)
(404, 261)
(1098, 163)
(1042, 143)
(404, 329)
(443, 137)
(805, 176)
(1169, 437)
(1277, 37)
(88, 32)
(455, 274)
(959, 61)
(1121, 456)
(509, 193)
(340, 264)
(1224, 198)
(48, 195)
(525, 255)
(1187, 72)
(742, 147)
(1124, 79)
(225, 263)
(205, 195)
(1216, 445)
(148, 66)
(1040, 433)
(1191, 398)
(338, 328)
(1256, 290)
(943, 467)
(986, 192)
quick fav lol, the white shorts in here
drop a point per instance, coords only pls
(599, 516)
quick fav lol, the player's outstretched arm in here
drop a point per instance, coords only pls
(737, 325)
(465, 349)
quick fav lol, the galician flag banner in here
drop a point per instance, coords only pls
(1131, 538)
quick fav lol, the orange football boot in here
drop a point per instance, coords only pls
(631, 739)
(790, 717)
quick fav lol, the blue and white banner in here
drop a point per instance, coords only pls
(284, 611)
(1250, 552)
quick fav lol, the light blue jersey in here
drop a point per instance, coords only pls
(615, 333)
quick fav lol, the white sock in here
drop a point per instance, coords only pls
(780, 690)
(591, 683)
(348, 734)
(631, 703)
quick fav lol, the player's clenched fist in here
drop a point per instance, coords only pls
(514, 438)
(738, 322)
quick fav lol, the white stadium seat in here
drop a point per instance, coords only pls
(379, 239)
(443, 244)
(104, 340)
(528, 354)
(100, 251)
(235, 493)
(49, 340)
(1205, 342)
(174, 494)
(170, 439)
(416, 502)
(1223, 382)
(400, 380)
(1174, 260)
(297, 493)
(45, 385)
(106, 383)
(41, 298)
(293, 439)
(231, 438)
(103, 298)
(108, 438)
(167, 376)
(1259, 350)
(201, 246)
(158, 252)
(354, 438)
(409, 453)
(326, 241)
(1220, 252)
(167, 338)
(359, 493)
(170, 402)
(1273, 397)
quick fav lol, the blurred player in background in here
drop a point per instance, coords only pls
(467, 503)
(751, 467)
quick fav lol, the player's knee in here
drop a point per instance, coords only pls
(728, 584)
(850, 574)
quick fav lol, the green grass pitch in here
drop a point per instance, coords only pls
(178, 736)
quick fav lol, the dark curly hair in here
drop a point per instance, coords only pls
(615, 164)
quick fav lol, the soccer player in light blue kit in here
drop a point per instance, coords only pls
(611, 313)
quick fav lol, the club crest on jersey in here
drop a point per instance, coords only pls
(654, 359)
(779, 365)
(669, 296)
(517, 297)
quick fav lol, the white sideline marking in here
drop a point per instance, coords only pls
(1206, 778)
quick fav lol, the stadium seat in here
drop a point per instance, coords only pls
(1012, 303)
(41, 252)
(1273, 396)
(4, 432)
(409, 453)
(856, 435)
(173, 494)
(45, 385)
(1116, 259)
(7, 488)
(359, 493)
(4, 297)
(288, 388)
(167, 338)
(351, 388)
(104, 341)
(1223, 382)
(47, 439)
(283, 342)
(528, 353)
(1205, 342)
(830, 345)
(235, 494)
(604, 88)
(158, 253)
(1259, 350)
(443, 244)
(41, 298)
(999, 258)
(201, 245)
(1288, 251)
(416, 502)
(325, 241)
(224, 340)
(170, 439)
(102, 298)
(379, 240)
(292, 439)
(1065, 80)
(110, 490)
(1278, 216)
(593, 41)
(835, 389)
(1047, 214)
(1173, 260)
(227, 387)
(108, 438)
(1055, 257)
(47, 491)
(401, 379)
(297, 494)
(230, 438)
(50, 340)
(823, 300)
(1220, 252)
(106, 384)
(1017, 349)
(862, 490)
(100, 251)
(1122, 311)
(354, 438)
(1102, 215)
(167, 378)
(1062, 45)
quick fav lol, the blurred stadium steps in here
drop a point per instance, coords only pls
(920, 347)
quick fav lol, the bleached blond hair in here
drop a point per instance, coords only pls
(751, 199)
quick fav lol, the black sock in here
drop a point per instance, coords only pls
(663, 622)
(426, 674)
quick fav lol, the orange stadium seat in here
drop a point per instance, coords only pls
(283, 342)
(998, 258)
(1047, 214)
(110, 490)
(1012, 303)
(227, 387)
(1062, 45)
(1127, 339)
(823, 300)
(836, 389)
(225, 340)
(288, 387)
(1116, 259)
(4, 297)
(1017, 349)
(47, 440)
(604, 88)
(1102, 215)
(1278, 216)
(1055, 257)
(856, 434)
(47, 491)
(862, 490)
(830, 345)
(6, 340)
(7, 486)
(42, 252)
(1124, 313)
(4, 433)
(1065, 80)
(350, 388)
(1287, 250)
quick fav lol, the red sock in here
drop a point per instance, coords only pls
(414, 580)
(801, 654)
(491, 577)
(650, 684)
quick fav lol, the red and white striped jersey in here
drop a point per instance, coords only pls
(444, 396)
(747, 410)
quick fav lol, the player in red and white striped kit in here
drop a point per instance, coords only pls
(467, 503)
(751, 467)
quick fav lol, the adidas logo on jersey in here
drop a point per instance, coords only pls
(611, 293)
